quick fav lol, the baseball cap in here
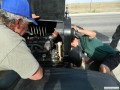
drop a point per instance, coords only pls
(18, 7)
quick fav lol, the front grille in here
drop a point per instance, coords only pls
(38, 31)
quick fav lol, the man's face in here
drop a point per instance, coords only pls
(21, 27)
(74, 43)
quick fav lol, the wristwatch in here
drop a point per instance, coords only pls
(77, 29)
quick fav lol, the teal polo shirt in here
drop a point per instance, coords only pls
(95, 49)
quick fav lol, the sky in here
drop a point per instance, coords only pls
(87, 1)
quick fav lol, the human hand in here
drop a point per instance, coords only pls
(34, 16)
(75, 28)
(55, 34)
(74, 43)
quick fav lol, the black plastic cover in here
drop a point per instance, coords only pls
(70, 79)
(48, 9)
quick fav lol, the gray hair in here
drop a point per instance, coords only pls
(10, 18)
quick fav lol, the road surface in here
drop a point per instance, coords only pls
(105, 23)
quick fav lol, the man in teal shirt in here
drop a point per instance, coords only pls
(96, 50)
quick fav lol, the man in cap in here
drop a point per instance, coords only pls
(15, 16)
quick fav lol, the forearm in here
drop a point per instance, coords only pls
(89, 33)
